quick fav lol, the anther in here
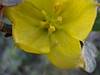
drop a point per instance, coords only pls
(57, 6)
(44, 12)
(51, 29)
(60, 19)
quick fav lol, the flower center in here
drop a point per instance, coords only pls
(50, 24)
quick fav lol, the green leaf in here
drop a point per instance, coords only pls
(96, 26)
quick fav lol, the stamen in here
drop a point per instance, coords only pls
(59, 19)
(57, 7)
(57, 4)
(51, 29)
(44, 12)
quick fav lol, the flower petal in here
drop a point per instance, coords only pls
(45, 5)
(27, 32)
(79, 17)
(29, 38)
(65, 50)
(26, 9)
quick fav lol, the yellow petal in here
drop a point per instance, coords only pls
(27, 31)
(27, 9)
(79, 17)
(45, 5)
(29, 38)
(65, 50)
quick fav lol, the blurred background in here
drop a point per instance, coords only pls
(14, 61)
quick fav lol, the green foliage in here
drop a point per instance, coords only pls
(97, 22)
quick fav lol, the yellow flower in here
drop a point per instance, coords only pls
(53, 27)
